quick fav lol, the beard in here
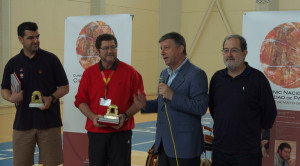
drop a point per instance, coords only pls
(109, 59)
(235, 62)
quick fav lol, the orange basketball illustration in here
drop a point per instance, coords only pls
(280, 55)
(85, 45)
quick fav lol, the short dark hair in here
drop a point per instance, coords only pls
(105, 37)
(243, 43)
(178, 40)
(31, 26)
(284, 145)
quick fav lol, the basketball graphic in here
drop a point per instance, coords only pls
(85, 45)
(280, 55)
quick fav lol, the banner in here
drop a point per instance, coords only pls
(80, 53)
(273, 40)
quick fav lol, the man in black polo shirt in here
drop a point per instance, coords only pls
(37, 70)
(242, 106)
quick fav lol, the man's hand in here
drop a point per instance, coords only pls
(290, 162)
(165, 91)
(47, 102)
(16, 97)
(264, 142)
(139, 100)
(95, 121)
(121, 122)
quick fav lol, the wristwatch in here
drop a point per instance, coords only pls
(126, 116)
(53, 99)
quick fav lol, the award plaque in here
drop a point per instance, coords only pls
(36, 100)
(111, 117)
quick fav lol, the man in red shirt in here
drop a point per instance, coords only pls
(109, 82)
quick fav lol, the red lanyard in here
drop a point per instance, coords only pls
(106, 81)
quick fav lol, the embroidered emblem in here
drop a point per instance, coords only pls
(40, 71)
(21, 73)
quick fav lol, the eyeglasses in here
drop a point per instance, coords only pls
(107, 48)
(233, 51)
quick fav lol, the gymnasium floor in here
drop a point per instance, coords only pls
(142, 140)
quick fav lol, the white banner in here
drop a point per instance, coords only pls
(80, 35)
(274, 48)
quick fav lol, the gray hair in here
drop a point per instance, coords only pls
(178, 40)
(243, 43)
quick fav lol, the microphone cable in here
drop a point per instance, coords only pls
(162, 80)
(171, 132)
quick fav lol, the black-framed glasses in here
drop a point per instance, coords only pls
(233, 51)
(107, 48)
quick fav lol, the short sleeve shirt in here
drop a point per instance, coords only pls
(43, 73)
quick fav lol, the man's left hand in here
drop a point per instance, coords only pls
(121, 122)
(47, 102)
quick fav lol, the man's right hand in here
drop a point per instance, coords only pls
(16, 97)
(290, 162)
(95, 121)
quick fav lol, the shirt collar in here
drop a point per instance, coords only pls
(36, 55)
(176, 71)
(113, 67)
(245, 73)
(281, 160)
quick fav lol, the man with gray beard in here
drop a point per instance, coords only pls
(242, 106)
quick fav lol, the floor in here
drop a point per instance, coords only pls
(142, 140)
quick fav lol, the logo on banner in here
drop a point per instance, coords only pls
(85, 45)
(280, 55)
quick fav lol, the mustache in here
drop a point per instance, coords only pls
(230, 58)
(110, 54)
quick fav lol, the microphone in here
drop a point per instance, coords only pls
(162, 80)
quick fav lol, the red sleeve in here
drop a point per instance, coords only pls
(82, 95)
(138, 84)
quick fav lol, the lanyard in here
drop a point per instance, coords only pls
(106, 81)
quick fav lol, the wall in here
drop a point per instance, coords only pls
(4, 38)
(51, 14)
(207, 53)
(144, 37)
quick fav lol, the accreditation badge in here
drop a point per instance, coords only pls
(105, 102)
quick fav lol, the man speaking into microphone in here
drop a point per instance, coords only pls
(182, 100)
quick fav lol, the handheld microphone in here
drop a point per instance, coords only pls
(162, 80)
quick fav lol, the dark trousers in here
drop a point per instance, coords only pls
(110, 148)
(224, 159)
(164, 160)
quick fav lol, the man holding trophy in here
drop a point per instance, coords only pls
(105, 97)
(34, 80)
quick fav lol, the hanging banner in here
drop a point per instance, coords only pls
(80, 53)
(274, 48)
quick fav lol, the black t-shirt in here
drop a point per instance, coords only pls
(43, 73)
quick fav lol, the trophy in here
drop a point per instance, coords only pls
(111, 117)
(36, 100)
